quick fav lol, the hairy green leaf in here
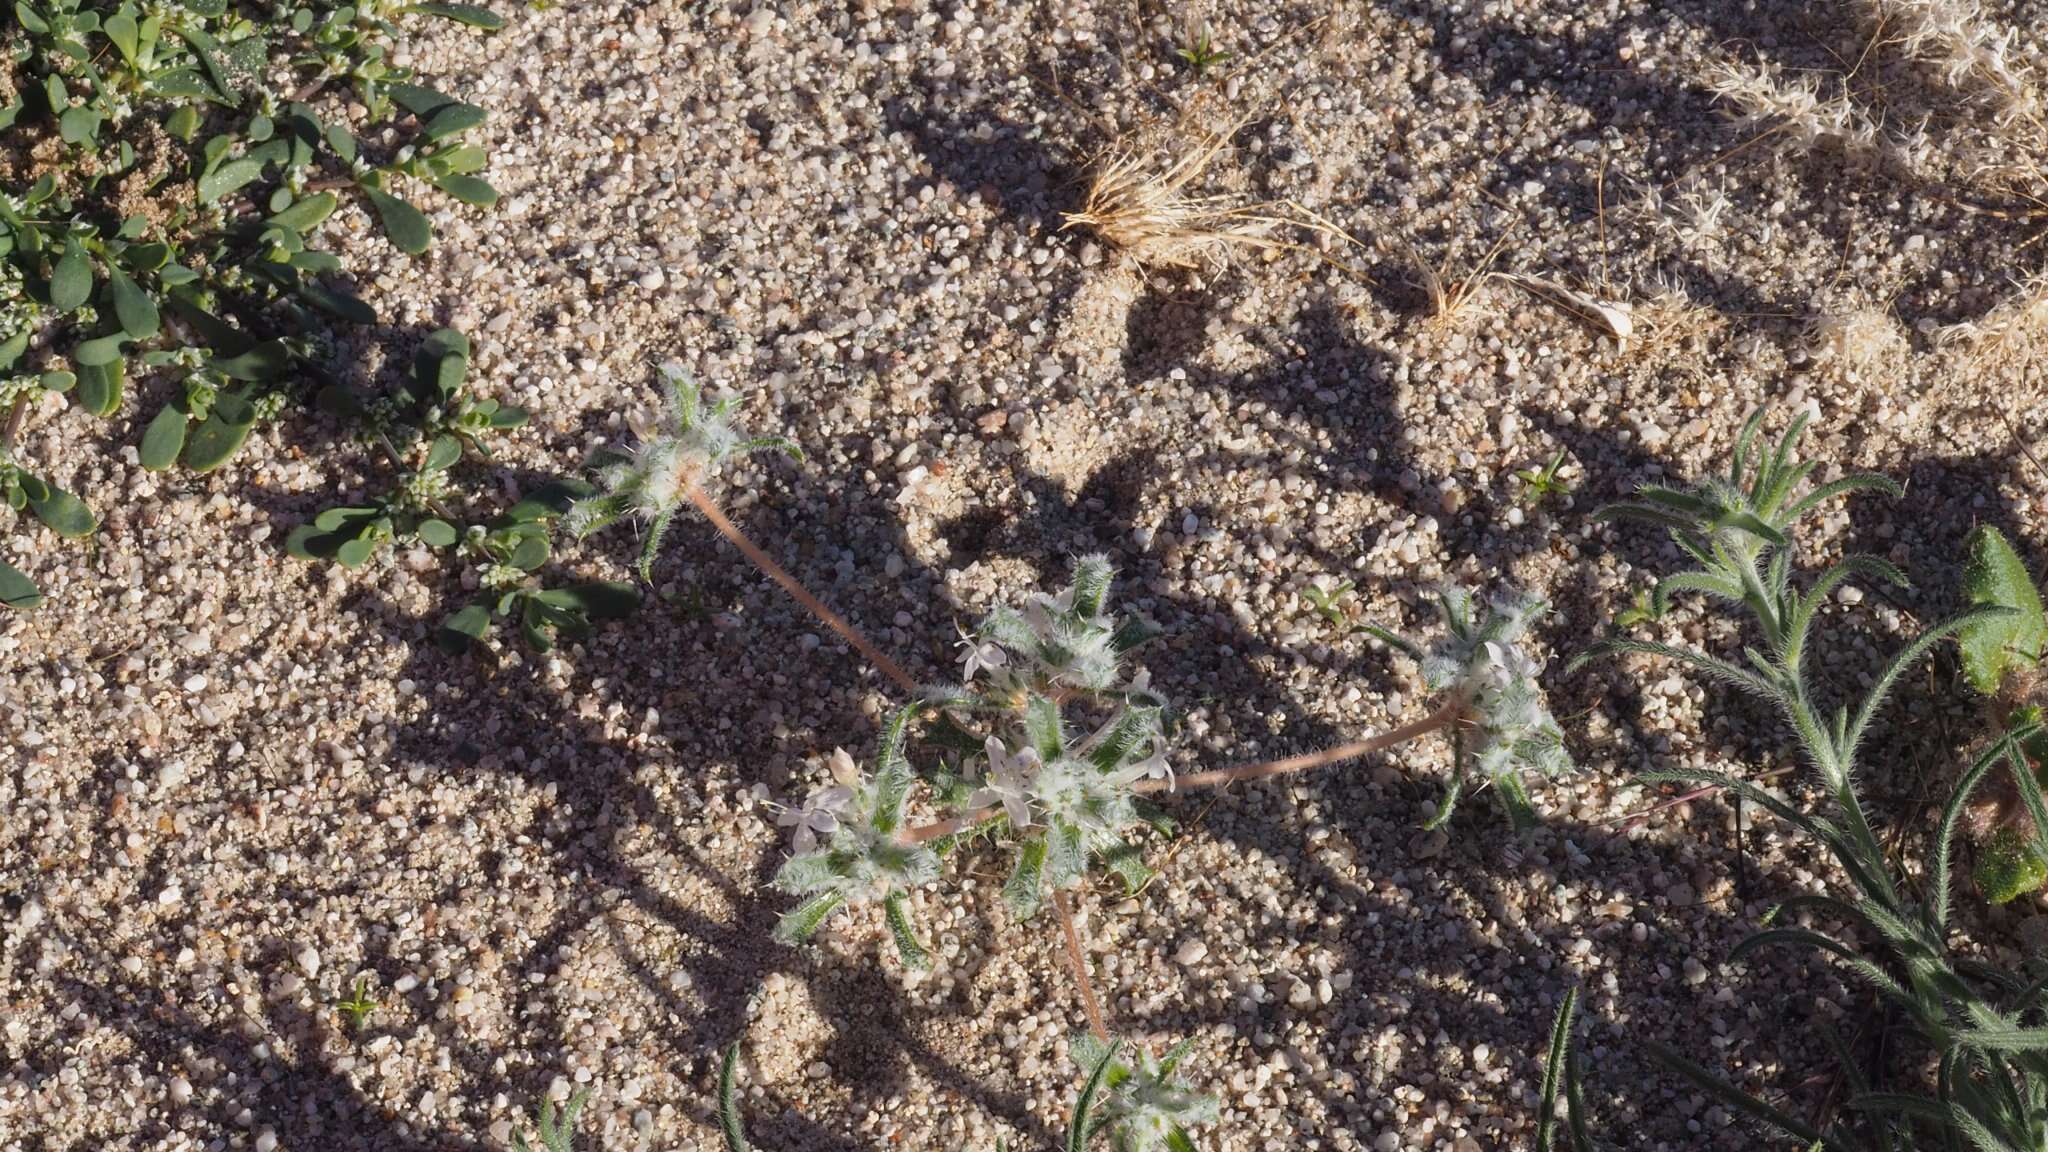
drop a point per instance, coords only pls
(1994, 574)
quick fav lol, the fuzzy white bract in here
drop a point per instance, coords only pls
(1147, 1106)
(652, 480)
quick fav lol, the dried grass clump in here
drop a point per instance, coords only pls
(1856, 341)
(1956, 36)
(2009, 330)
(1142, 201)
(1451, 299)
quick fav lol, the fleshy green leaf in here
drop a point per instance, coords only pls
(71, 281)
(99, 386)
(164, 438)
(406, 225)
(17, 591)
(452, 120)
(468, 189)
(460, 628)
(66, 514)
(474, 15)
(216, 438)
(132, 306)
(228, 177)
(436, 533)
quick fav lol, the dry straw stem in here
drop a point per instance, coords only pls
(1449, 298)
(1143, 202)
(1605, 316)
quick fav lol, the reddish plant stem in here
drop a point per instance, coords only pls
(1449, 712)
(797, 591)
(1079, 965)
(15, 419)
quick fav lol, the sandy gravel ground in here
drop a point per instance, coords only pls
(230, 782)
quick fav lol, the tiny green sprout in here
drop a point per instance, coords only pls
(1148, 1107)
(557, 1130)
(1327, 603)
(1540, 484)
(1201, 52)
(664, 471)
(357, 1008)
(1641, 610)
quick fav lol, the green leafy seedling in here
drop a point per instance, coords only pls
(1328, 604)
(1200, 52)
(557, 1129)
(1540, 484)
(357, 1008)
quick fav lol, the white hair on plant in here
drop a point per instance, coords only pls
(1505, 732)
(1148, 1107)
(676, 453)
(864, 858)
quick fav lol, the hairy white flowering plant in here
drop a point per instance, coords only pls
(1031, 679)
(1504, 733)
(863, 857)
(1049, 743)
(669, 465)
(1148, 1107)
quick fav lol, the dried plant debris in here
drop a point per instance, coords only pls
(1610, 318)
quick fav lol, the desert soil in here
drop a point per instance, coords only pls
(233, 781)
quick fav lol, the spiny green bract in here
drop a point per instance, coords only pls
(863, 859)
(1505, 734)
(1029, 676)
(654, 478)
(1148, 1107)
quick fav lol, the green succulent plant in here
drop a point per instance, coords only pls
(175, 229)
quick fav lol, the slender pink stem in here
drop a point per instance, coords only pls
(1450, 711)
(1444, 716)
(797, 591)
(948, 826)
(1079, 965)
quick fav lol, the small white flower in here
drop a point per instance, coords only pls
(819, 815)
(1153, 767)
(980, 654)
(1009, 783)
